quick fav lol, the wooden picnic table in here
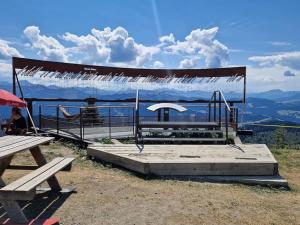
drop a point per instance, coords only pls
(24, 188)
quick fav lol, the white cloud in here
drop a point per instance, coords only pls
(48, 47)
(111, 46)
(202, 43)
(167, 39)
(189, 63)
(267, 78)
(7, 51)
(117, 47)
(288, 59)
(87, 49)
(5, 71)
(158, 65)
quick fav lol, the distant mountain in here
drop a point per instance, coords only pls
(270, 105)
(277, 95)
(261, 110)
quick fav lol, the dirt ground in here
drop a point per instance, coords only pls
(107, 195)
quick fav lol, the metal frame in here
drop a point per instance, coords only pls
(59, 70)
(30, 67)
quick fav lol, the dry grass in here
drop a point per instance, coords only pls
(107, 195)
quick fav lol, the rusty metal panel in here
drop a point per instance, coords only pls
(50, 66)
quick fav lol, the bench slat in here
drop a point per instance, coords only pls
(24, 188)
(45, 175)
(10, 141)
(7, 137)
(16, 143)
(14, 185)
(23, 147)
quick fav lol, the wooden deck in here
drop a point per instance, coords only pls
(252, 159)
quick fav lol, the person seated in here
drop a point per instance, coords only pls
(17, 123)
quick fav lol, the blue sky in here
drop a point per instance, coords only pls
(262, 35)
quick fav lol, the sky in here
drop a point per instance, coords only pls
(261, 35)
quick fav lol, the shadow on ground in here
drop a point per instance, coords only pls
(43, 206)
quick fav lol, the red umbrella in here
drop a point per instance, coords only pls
(7, 98)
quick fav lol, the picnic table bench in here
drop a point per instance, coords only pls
(25, 187)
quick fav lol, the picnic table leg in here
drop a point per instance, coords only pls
(12, 208)
(14, 211)
(40, 160)
(4, 163)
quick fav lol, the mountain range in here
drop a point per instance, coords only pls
(260, 107)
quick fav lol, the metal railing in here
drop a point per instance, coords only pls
(92, 122)
(111, 120)
(215, 106)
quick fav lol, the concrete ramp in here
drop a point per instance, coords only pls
(189, 160)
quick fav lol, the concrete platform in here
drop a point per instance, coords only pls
(190, 160)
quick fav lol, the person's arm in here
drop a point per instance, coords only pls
(11, 120)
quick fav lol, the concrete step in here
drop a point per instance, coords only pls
(154, 139)
(174, 124)
(153, 130)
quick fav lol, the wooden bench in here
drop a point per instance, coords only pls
(25, 187)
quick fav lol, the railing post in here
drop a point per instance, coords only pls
(136, 125)
(236, 119)
(81, 124)
(231, 115)
(133, 121)
(226, 123)
(137, 119)
(215, 106)
(109, 123)
(40, 116)
(209, 111)
(57, 119)
(220, 110)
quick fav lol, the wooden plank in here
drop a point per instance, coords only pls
(29, 139)
(45, 175)
(29, 167)
(4, 164)
(18, 183)
(12, 141)
(18, 148)
(7, 137)
(41, 161)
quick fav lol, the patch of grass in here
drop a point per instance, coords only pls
(288, 158)
(127, 141)
(289, 166)
(105, 141)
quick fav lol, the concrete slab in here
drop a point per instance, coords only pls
(187, 160)
(275, 181)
